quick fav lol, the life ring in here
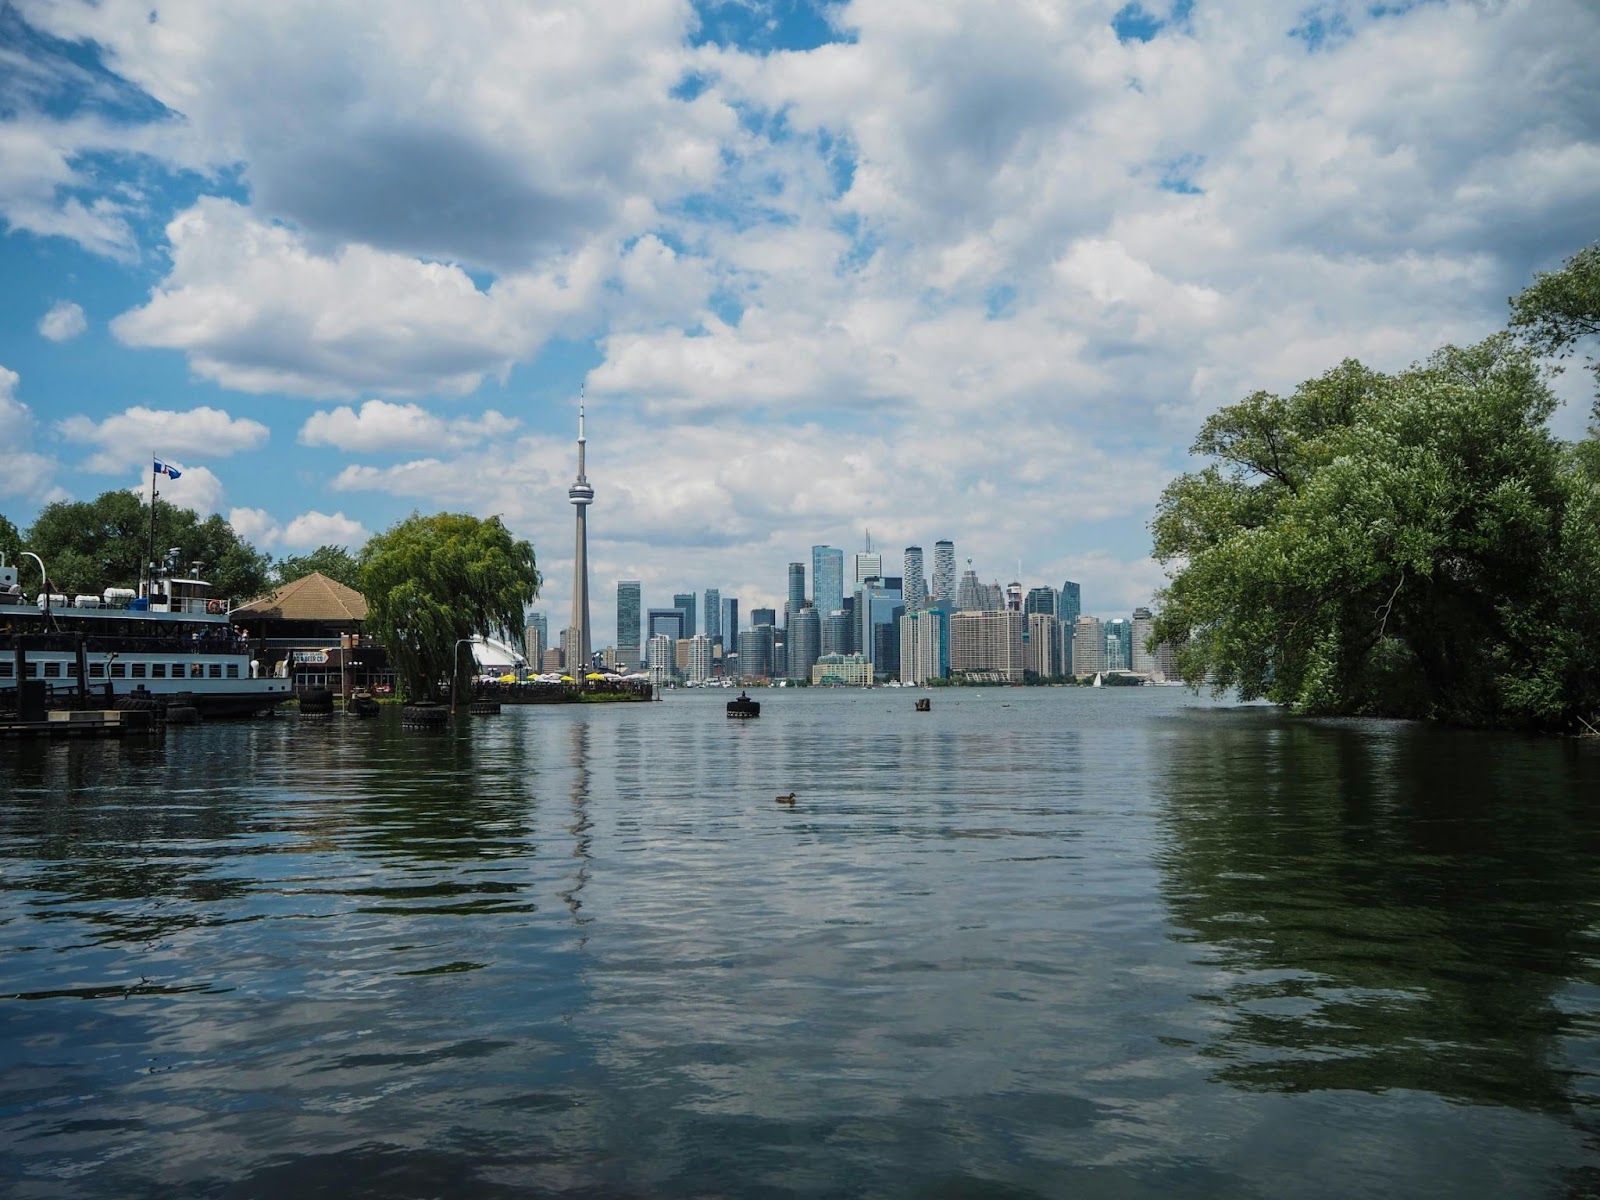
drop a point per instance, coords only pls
(214, 607)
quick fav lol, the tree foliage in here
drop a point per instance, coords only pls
(90, 545)
(10, 540)
(1414, 544)
(431, 581)
(333, 561)
(1561, 308)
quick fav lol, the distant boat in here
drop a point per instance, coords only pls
(1097, 682)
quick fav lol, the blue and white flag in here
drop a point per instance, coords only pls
(167, 469)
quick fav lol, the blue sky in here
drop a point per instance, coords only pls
(966, 269)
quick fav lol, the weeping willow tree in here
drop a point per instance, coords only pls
(432, 581)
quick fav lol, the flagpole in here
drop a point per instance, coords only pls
(150, 558)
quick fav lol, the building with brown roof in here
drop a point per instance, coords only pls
(313, 629)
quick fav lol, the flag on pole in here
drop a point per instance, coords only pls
(167, 469)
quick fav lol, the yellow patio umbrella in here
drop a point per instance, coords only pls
(594, 675)
(508, 679)
(566, 679)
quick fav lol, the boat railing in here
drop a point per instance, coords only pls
(141, 645)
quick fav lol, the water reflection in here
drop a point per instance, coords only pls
(1387, 906)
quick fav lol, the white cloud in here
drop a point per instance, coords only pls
(382, 426)
(137, 433)
(63, 322)
(304, 532)
(28, 475)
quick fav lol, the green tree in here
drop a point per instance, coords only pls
(90, 545)
(431, 581)
(1561, 308)
(1415, 544)
(333, 561)
(10, 540)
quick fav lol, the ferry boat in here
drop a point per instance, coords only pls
(174, 638)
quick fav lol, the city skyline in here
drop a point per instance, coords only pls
(810, 281)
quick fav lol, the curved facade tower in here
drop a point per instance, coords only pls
(581, 495)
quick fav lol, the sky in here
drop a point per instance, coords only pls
(967, 269)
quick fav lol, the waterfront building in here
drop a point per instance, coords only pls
(886, 646)
(925, 645)
(686, 601)
(581, 495)
(805, 642)
(629, 611)
(1166, 662)
(836, 632)
(1144, 659)
(1071, 601)
(1042, 654)
(668, 621)
(915, 586)
(536, 636)
(944, 572)
(572, 658)
(680, 657)
(714, 615)
(730, 624)
(661, 656)
(1066, 645)
(1119, 644)
(987, 645)
(841, 670)
(780, 656)
(1088, 646)
(755, 652)
(797, 592)
(699, 658)
(971, 596)
(827, 578)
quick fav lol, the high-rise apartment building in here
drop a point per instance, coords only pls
(1042, 654)
(987, 645)
(797, 592)
(805, 642)
(755, 652)
(925, 645)
(730, 623)
(1088, 646)
(836, 637)
(713, 613)
(699, 658)
(536, 637)
(944, 572)
(661, 647)
(1071, 601)
(1144, 659)
(629, 611)
(827, 579)
(914, 586)
(686, 601)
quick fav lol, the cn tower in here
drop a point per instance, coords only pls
(581, 495)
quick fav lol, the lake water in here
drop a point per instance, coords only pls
(1032, 943)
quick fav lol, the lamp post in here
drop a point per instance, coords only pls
(455, 657)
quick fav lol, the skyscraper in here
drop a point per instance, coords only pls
(730, 623)
(987, 645)
(536, 637)
(944, 572)
(866, 565)
(805, 642)
(879, 606)
(1144, 659)
(1071, 601)
(713, 613)
(797, 592)
(699, 658)
(665, 621)
(836, 637)
(581, 495)
(913, 585)
(1119, 644)
(1088, 646)
(628, 613)
(1043, 600)
(763, 616)
(685, 601)
(827, 580)
(971, 596)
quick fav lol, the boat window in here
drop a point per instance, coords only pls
(158, 670)
(97, 670)
(138, 671)
(33, 670)
(233, 670)
(72, 670)
(7, 670)
(216, 670)
(197, 670)
(52, 670)
(119, 670)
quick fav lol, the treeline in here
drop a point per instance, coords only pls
(90, 545)
(1416, 544)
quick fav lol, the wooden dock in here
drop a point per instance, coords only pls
(92, 723)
